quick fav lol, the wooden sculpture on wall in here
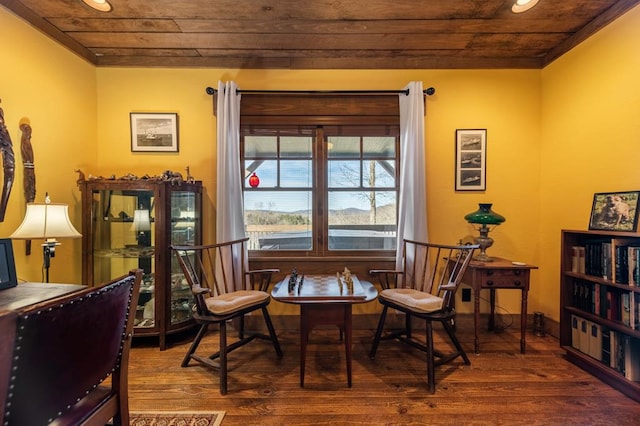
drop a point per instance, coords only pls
(8, 165)
(29, 179)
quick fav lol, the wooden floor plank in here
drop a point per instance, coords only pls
(500, 387)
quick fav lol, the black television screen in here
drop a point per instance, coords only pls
(8, 277)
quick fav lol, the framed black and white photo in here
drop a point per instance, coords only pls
(154, 132)
(471, 159)
(615, 211)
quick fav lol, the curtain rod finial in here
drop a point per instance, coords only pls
(210, 90)
(430, 91)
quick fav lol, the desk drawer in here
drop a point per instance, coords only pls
(505, 278)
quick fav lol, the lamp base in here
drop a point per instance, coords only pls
(484, 241)
(482, 257)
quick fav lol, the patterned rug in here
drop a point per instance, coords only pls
(176, 418)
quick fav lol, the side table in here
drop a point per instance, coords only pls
(503, 274)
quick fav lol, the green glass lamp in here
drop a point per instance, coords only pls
(487, 219)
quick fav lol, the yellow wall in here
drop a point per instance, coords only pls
(590, 137)
(55, 90)
(549, 133)
(504, 102)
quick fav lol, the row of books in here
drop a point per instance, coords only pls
(619, 351)
(612, 303)
(600, 259)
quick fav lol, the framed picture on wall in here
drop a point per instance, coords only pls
(471, 159)
(154, 132)
(615, 211)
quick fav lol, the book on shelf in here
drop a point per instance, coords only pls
(620, 352)
(595, 340)
(606, 346)
(583, 343)
(632, 358)
(625, 311)
(578, 259)
(607, 265)
(621, 264)
(633, 266)
(636, 312)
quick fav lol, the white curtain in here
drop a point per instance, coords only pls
(412, 201)
(229, 199)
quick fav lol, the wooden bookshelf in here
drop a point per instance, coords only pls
(600, 304)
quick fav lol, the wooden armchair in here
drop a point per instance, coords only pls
(66, 349)
(223, 291)
(424, 288)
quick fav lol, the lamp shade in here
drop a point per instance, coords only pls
(44, 221)
(141, 220)
(485, 216)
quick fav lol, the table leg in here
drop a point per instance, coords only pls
(492, 304)
(347, 340)
(304, 339)
(476, 318)
(523, 321)
(325, 314)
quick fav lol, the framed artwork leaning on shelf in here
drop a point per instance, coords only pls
(471, 159)
(615, 211)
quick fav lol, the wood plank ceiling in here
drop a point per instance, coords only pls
(320, 34)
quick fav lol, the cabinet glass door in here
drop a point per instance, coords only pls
(185, 221)
(123, 234)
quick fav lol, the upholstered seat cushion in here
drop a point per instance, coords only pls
(231, 302)
(415, 300)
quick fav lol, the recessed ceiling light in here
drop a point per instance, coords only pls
(101, 5)
(523, 5)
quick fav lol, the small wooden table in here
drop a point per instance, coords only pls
(324, 301)
(503, 274)
(30, 293)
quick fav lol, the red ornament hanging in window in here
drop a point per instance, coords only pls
(254, 181)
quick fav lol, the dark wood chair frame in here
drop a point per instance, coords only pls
(65, 351)
(198, 264)
(8, 321)
(439, 273)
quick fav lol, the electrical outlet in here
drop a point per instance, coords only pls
(466, 295)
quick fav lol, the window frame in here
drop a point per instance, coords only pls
(262, 114)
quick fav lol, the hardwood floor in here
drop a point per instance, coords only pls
(500, 387)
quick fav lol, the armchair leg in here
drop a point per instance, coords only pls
(452, 335)
(223, 358)
(407, 325)
(431, 373)
(376, 339)
(201, 332)
(272, 332)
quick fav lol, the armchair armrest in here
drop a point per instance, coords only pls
(388, 278)
(260, 279)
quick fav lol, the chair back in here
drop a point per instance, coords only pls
(214, 269)
(66, 348)
(8, 333)
(435, 268)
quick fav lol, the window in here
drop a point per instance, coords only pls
(349, 173)
(321, 178)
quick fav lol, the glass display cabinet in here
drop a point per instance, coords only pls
(130, 223)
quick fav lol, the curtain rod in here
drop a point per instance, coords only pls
(427, 92)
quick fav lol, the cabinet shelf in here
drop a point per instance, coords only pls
(131, 223)
(600, 305)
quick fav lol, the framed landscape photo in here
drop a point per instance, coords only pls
(615, 211)
(154, 132)
(471, 159)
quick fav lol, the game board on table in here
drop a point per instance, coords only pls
(319, 288)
